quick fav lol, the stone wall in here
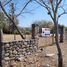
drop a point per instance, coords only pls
(17, 50)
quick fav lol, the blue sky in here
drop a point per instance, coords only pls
(27, 20)
(38, 14)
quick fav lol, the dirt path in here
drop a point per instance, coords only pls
(53, 50)
(43, 57)
(47, 57)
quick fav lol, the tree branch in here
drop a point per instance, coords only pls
(40, 3)
(57, 5)
(61, 14)
(23, 8)
(48, 9)
(11, 20)
(59, 2)
(7, 2)
(64, 12)
(52, 5)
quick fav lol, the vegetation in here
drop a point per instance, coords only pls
(18, 13)
(44, 24)
(65, 28)
(28, 30)
(5, 24)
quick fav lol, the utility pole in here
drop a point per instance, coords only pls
(13, 17)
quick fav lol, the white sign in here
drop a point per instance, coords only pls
(45, 32)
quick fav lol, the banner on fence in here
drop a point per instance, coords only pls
(45, 32)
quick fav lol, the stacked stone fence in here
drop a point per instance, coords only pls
(65, 36)
(17, 50)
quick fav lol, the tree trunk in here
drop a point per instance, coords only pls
(60, 59)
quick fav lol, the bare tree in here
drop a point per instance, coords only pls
(53, 7)
(7, 2)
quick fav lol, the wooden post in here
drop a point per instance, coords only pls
(53, 39)
(1, 47)
(61, 34)
(33, 31)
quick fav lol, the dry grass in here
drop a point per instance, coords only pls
(43, 41)
(10, 37)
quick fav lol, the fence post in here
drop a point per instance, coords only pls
(33, 31)
(1, 33)
(53, 39)
(61, 34)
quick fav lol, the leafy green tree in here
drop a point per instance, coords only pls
(28, 30)
(2, 21)
(66, 28)
(6, 25)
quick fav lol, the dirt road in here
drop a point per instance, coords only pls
(53, 50)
